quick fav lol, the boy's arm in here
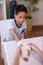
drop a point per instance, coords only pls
(26, 33)
(15, 34)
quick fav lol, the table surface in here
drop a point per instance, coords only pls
(10, 48)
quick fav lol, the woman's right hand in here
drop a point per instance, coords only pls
(35, 48)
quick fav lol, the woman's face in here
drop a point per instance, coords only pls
(20, 17)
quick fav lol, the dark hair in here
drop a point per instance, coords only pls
(20, 8)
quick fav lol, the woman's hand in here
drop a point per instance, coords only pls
(17, 56)
(19, 50)
(36, 49)
(33, 47)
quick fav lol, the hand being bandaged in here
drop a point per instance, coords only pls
(25, 50)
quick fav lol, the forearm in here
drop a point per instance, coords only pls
(26, 34)
(16, 62)
(15, 34)
(35, 48)
(40, 53)
(16, 37)
(17, 57)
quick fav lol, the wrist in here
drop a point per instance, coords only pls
(17, 38)
(39, 52)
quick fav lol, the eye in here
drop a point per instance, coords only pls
(20, 17)
(24, 17)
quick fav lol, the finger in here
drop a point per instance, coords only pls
(29, 43)
(25, 59)
(20, 46)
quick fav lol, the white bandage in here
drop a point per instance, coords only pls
(25, 48)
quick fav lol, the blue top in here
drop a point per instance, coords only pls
(19, 30)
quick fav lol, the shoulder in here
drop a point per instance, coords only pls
(12, 22)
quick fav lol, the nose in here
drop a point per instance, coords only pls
(23, 19)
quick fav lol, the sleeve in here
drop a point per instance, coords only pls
(11, 25)
(24, 25)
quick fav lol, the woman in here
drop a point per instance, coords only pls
(33, 48)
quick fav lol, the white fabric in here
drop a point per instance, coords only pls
(18, 30)
(4, 28)
(10, 48)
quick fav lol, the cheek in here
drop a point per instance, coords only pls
(20, 20)
(17, 19)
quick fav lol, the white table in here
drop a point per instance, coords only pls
(10, 48)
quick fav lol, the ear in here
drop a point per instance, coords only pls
(14, 15)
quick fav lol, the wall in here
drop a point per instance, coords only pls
(1, 15)
(8, 8)
(37, 16)
(3, 10)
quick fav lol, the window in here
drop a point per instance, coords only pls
(0, 1)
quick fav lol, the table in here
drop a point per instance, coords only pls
(10, 48)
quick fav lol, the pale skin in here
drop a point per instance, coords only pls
(37, 50)
(17, 56)
(20, 18)
(33, 48)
